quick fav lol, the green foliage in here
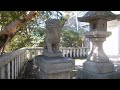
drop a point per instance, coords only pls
(8, 16)
(34, 38)
(17, 42)
(37, 37)
(51, 14)
(32, 34)
(71, 38)
(22, 38)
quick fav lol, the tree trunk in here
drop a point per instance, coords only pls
(10, 30)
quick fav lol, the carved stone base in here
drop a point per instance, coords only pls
(60, 75)
(57, 54)
(97, 70)
(83, 74)
(54, 68)
(98, 67)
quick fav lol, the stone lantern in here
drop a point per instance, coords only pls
(97, 65)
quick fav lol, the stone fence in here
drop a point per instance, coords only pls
(11, 64)
(72, 52)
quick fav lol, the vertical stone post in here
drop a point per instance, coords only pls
(97, 65)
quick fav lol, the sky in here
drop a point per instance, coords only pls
(116, 12)
(81, 14)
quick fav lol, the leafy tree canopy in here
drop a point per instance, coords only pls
(33, 32)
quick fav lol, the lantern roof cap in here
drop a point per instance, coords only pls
(92, 15)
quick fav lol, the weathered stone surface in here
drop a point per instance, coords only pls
(97, 53)
(96, 67)
(98, 34)
(83, 74)
(54, 66)
(52, 39)
(51, 65)
(60, 75)
(92, 15)
(80, 73)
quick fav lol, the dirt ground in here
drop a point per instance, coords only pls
(30, 71)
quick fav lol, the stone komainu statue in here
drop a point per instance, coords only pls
(52, 39)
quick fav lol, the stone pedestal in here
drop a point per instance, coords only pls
(84, 74)
(95, 70)
(54, 67)
(97, 65)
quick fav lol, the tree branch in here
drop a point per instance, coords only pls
(11, 29)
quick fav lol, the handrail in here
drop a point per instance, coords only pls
(12, 63)
(8, 57)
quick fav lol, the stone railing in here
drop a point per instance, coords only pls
(73, 52)
(12, 63)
